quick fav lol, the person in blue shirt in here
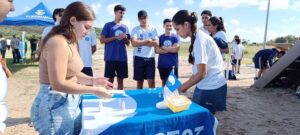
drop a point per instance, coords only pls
(168, 52)
(264, 59)
(116, 36)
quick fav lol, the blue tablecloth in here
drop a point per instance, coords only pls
(143, 117)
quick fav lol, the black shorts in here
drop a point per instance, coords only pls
(165, 72)
(88, 71)
(233, 62)
(116, 68)
(143, 68)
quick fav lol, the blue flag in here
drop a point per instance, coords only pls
(172, 83)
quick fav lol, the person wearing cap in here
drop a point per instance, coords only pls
(6, 6)
(168, 52)
(115, 36)
(264, 59)
(57, 14)
(205, 16)
(144, 40)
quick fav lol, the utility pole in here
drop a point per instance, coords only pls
(266, 27)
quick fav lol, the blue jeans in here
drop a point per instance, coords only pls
(56, 113)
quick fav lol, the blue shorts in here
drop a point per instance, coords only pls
(165, 72)
(213, 100)
(116, 68)
(263, 64)
(143, 68)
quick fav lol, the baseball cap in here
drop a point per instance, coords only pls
(142, 13)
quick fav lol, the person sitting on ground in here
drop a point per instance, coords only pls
(264, 59)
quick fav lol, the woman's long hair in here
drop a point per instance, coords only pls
(80, 11)
(218, 21)
(184, 16)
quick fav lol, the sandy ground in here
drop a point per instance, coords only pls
(250, 111)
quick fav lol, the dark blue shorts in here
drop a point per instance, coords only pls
(263, 64)
(143, 68)
(88, 71)
(116, 68)
(213, 100)
(165, 72)
(233, 62)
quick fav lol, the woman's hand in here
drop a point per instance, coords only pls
(102, 81)
(102, 92)
(182, 89)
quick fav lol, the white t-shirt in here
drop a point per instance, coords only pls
(144, 34)
(206, 51)
(48, 29)
(204, 30)
(85, 48)
(237, 50)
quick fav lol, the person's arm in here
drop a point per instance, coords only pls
(136, 42)
(94, 48)
(271, 57)
(159, 50)
(172, 49)
(57, 61)
(194, 79)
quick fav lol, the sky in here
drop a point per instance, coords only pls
(245, 18)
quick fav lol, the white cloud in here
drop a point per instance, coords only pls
(110, 8)
(96, 7)
(129, 24)
(262, 4)
(235, 22)
(170, 2)
(226, 3)
(189, 2)
(296, 5)
(169, 12)
(274, 4)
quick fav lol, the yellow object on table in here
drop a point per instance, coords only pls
(178, 103)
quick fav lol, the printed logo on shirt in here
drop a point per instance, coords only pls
(118, 32)
(167, 43)
(139, 49)
(141, 37)
(87, 39)
(150, 35)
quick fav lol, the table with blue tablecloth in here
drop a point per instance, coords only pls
(136, 114)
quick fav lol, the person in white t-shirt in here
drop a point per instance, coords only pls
(6, 6)
(87, 47)
(205, 16)
(237, 54)
(144, 40)
(218, 32)
(208, 73)
(57, 14)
